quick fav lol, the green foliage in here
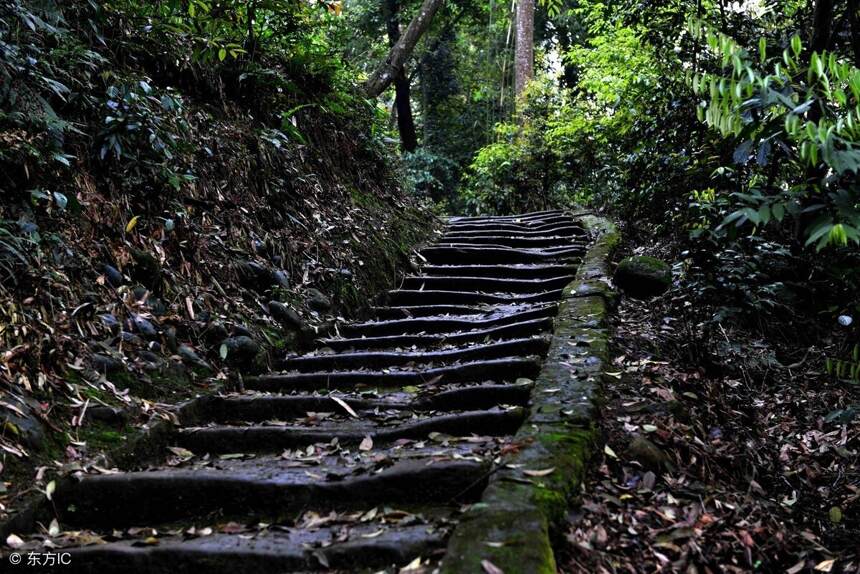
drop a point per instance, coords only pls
(845, 368)
(106, 85)
(15, 254)
(798, 128)
(580, 144)
(41, 64)
(144, 130)
(522, 169)
(429, 175)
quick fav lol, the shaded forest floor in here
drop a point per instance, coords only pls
(748, 469)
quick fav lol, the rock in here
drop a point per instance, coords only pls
(259, 247)
(107, 415)
(215, 332)
(316, 301)
(254, 276)
(106, 364)
(150, 357)
(111, 322)
(157, 306)
(285, 315)
(28, 227)
(170, 339)
(241, 330)
(22, 423)
(146, 269)
(241, 350)
(139, 292)
(127, 338)
(190, 357)
(282, 279)
(113, 275)
(144, 327)
(648, 454)
(643, 276)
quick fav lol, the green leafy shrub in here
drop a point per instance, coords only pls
(520, 170)
(582, 144)
(42, 66)
(144, 131)
(796, 122)
(429, 175)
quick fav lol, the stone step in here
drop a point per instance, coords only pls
(524, 329)
(258, 407)
(567, 230)
(486, 284)
(532, 224)
(505, 369)
(438, 296)
(482, 254)
(268, 438)
(382, 359)
(512, 227)
(373, 546)
(513, 241)
(514, 271)
(264, 487)
(407, 311)
(521, 217)
(444, 324)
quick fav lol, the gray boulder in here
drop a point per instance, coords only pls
(316, 301)
(642, 276)
(285, 315)
(241, 350)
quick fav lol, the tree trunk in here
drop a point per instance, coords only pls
(822, 20)
(402, 98)
(400, 53)
(854, 22)
(525, 49)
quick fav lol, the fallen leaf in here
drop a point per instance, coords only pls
(231, 456)
(183, 453)
(607, 450)
(132, 223)
(825, 565)
(345, 406)
(412, 566)
(491, 568)
(14, 541)
(544, 472)
(648, 480)
(54, 528)
(366, 444)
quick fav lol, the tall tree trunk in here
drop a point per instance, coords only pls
(402, 50)
(822, 20)
(525, 49)
(402, 97)
(854, 22)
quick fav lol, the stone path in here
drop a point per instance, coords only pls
(358, 456)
